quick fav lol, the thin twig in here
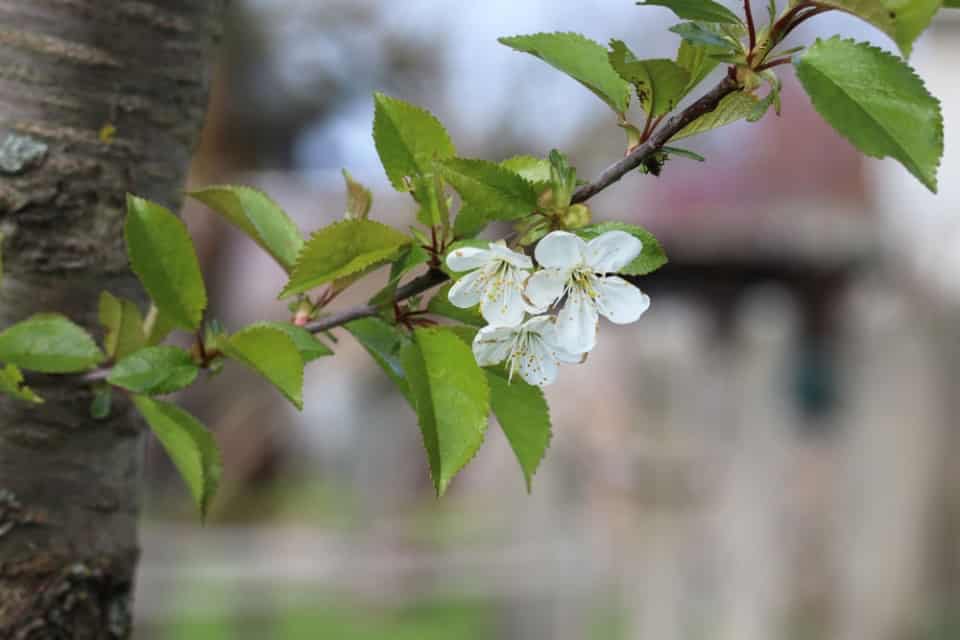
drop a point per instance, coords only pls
(751, 26)
(792, 18)
(773, 63)
(418, 285)
(800, 19)
(660, 137)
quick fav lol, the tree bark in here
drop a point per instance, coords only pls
(70, 71)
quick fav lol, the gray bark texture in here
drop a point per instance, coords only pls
(70, 485)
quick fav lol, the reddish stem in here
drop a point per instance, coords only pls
(774, 63)
(751, 26)
(782, 28)
(647, 128)
(815, 11)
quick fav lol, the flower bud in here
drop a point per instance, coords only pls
(576, 216)
(545, 202)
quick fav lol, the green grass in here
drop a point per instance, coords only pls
(436, 620)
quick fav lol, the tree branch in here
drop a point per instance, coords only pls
(418, 285)
(612, 174)
(660, 137)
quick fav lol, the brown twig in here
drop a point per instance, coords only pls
(418, 285)
(660, 137)
(751, 26)
(792, 18)
(773, 63)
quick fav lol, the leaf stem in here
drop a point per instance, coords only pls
(751, 26)
(647, 127)
(793, 18)
(816, 10)
(774, 63)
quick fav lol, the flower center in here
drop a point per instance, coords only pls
(522, 351)
(498, 278)
(582, 280)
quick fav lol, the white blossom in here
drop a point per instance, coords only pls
(579, 271)
(532, 349)
(495, 282)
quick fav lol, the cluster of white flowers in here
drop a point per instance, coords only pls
(569, 271)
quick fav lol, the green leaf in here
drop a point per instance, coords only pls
(272, 353)
(499, 193)
(408, 139)
(733, 108)
(49, 343)
(440, 305)
(705, 10)
(772, 99)
(464, 332)
(524, 416)
(659, 83)
(699, 34)
(157, 326)
(11, 383)
(342, 249)
(902, 20)
(155, 371)
(162, 255)
(532, 169)
(580, 58)
(123, 326)
(951, 4)
(254, 213)
(876, 101)
(695, 58)
(428, 193)
(683, 153)
(384, 342)
(469, 222)
(412, 257)
(191, 447)
(359, 198)
(309, 346)
(452, 400)
(651, 258)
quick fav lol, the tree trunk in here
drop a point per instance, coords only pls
(70, 72)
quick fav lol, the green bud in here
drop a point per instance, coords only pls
(546, 202)
(749, 79)
(532, 234)
(577, 216)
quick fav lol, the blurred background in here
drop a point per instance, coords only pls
(767, 454)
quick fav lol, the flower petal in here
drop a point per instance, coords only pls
(537, 366)
(468, 258)
(619, 301)
(560, 250)
(492, 345)
(552, 340)
(611, 251)
(502, 303)
(499, 251)
(468, 290)
(577, 323)
(542, 325)
(545, 287)
(567, 357)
